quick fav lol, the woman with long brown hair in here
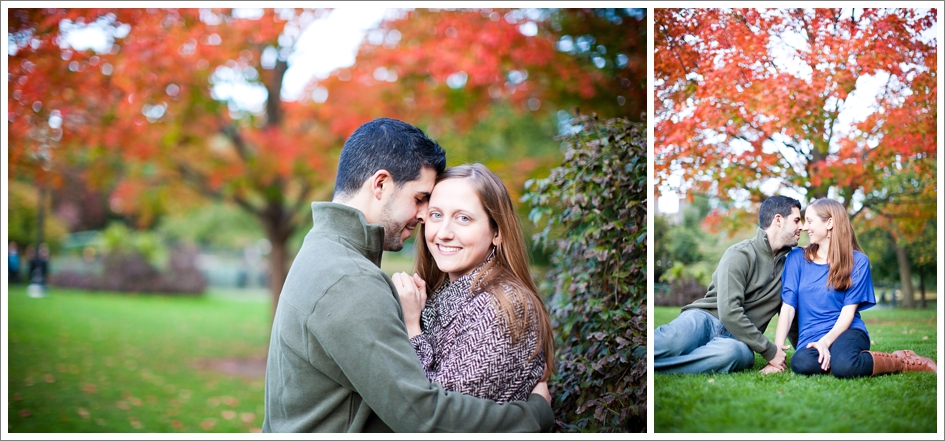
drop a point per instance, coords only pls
(827, 284)
(483, 329)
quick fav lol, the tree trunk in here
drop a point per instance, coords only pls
(278, 268)
(922, 304)
(905, 274)
(279, 227)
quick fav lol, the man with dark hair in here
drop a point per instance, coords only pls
(340, 359)
(722, 331)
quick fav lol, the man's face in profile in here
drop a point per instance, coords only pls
(791, 228)
(400, 214)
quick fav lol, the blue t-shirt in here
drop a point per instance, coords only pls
(804, 286)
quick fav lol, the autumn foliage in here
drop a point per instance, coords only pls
(753, 101)
(745, 96)
(144, 122)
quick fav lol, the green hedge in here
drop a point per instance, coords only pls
(594, 211)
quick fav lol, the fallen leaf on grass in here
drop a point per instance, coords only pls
(247, 417)
(208, 424)
(17, 397)
(83, 412)
(49, 378)
(213, 401)
(711, 380)
(123, 405)
(100, 422)
(89, 388)
(135, 401)
(925, 337)
(255, 430)
(25, 413)
(228, 414)
(177, 424)
(230, 401)
(135, 422)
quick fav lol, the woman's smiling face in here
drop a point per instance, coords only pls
(817, 229)
(458, 232)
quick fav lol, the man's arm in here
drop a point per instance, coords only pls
(730, 293)
(365, 335)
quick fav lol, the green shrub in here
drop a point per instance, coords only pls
(139, 262)
(595, 210)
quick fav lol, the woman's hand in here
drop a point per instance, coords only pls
(542, 389)
(824, 350)
(413, 297)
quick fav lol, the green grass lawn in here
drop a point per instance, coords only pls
(103, 362)
(782, 403)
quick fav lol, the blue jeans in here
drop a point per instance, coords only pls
(696, 342)
(848, 357)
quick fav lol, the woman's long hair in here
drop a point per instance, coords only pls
(842, 243)
(508, 268)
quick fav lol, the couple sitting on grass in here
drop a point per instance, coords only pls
(824, 285)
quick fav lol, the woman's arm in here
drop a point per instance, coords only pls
(823, 345)
(785, 318)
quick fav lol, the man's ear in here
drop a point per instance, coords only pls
(379, 180)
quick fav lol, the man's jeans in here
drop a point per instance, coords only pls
(696, 342)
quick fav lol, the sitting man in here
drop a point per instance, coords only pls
(722, 331)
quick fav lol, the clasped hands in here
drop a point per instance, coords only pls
(776, 364)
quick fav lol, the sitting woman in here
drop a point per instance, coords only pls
(827, 284)
(483, 330)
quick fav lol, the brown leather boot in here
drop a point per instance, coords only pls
(912, 362)
(884, 363)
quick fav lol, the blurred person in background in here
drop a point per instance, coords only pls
(13, 264)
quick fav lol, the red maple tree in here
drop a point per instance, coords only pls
(751, 98)
(143, 119)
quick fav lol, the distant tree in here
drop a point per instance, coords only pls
(923, 258)
(662, 259)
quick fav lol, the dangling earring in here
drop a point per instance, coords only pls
(492, 254)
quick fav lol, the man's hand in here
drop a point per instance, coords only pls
(542, 389)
